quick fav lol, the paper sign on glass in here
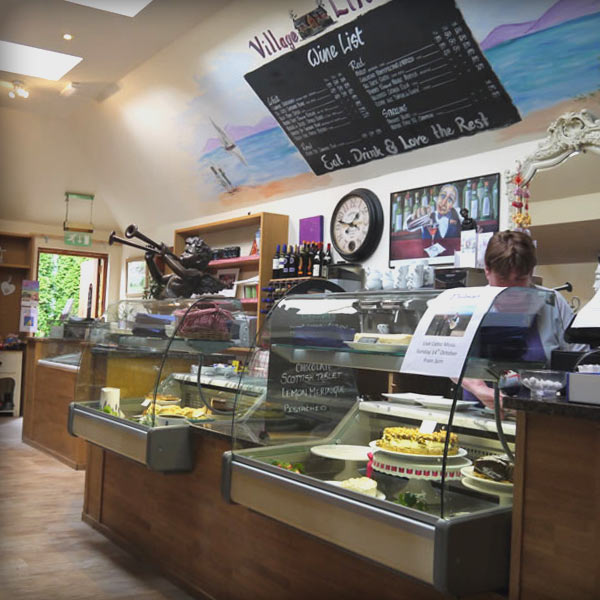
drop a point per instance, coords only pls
(589, 315)
(443, 337)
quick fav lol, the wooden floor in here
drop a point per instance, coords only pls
(46, 552)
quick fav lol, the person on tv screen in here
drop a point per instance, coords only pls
(444, 220)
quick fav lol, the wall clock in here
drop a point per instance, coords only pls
(357, 225)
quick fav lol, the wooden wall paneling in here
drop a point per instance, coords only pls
(517, 513)
(560, 549)
(94, 483)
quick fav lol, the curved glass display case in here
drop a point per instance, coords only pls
(380, 462)
(152, 368)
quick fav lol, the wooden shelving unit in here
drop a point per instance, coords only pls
(240, 231)
(16, 265)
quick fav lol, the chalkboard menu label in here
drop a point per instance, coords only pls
(319, 394)
(403, 76)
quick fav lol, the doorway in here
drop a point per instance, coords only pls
(72, 284)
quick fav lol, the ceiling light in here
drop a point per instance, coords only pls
(130, 8)
(69, 89)
(18, 90)
(35, 62)
(67, 36)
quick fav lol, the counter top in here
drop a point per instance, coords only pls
(558, 407)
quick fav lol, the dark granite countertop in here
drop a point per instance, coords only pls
(558, 407)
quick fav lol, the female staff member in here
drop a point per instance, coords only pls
(509, 262)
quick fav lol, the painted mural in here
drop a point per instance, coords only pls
(545, 52)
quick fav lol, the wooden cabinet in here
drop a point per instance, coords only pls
(11, 362)
(241, 232)
(49, 389)
(15, 265)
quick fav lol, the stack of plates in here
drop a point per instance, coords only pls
(427, 401)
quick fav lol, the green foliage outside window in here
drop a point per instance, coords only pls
(59, 276)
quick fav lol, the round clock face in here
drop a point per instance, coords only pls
(357, 224)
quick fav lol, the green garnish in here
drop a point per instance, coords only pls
(411, 500)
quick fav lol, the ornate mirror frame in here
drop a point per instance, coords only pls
(570, 134)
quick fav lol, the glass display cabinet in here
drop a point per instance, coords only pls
(153, 368)
(383, 463)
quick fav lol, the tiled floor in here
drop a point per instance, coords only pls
(46, 551)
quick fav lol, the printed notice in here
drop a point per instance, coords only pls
(443, 337)
(589, 315)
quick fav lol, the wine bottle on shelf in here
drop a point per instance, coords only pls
(285, 261)
(293, 263)
(301, 262)
(316, 264)
(276, 270)
(311, 259)
(326, 262)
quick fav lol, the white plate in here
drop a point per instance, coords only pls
(379, 495)
(409, 397)
(490, 484)
(425, 457)
(342, 452)
(376, 347)
(473, 484)
(446, 403)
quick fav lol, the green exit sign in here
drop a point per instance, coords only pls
(77, 238)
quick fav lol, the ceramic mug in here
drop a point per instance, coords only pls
(414, 278)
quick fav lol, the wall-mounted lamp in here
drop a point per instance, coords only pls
(18, 89)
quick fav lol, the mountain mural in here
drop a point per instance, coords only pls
(562, 11)
(239, 132)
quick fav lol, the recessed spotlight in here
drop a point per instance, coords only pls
(67, 36)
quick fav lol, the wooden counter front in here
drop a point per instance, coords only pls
(180, 524)
(48, 392)
(556, 515)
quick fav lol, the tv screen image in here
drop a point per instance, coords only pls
(426, 222)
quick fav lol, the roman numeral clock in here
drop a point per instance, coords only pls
(357, 225)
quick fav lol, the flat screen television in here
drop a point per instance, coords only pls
(425, 222)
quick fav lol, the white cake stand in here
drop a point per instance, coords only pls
(420, 470)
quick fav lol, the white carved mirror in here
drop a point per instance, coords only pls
(563, 175)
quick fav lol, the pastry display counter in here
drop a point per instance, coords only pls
(133, 395)
(432, 514)
(51, 368)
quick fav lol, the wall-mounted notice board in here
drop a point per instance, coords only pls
(403, 76)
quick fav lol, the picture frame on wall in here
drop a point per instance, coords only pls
(229, 277)
(425, 222)
(135, 277)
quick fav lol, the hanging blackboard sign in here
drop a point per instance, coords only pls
(403, 76)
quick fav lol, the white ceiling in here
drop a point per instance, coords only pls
(111, 45)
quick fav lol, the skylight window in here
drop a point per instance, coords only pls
(128, 8)
(35, 62)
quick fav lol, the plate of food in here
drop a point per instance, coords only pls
(361, 485)
(414, 456)
(410, 442)
(483, 481)
(342, 452)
